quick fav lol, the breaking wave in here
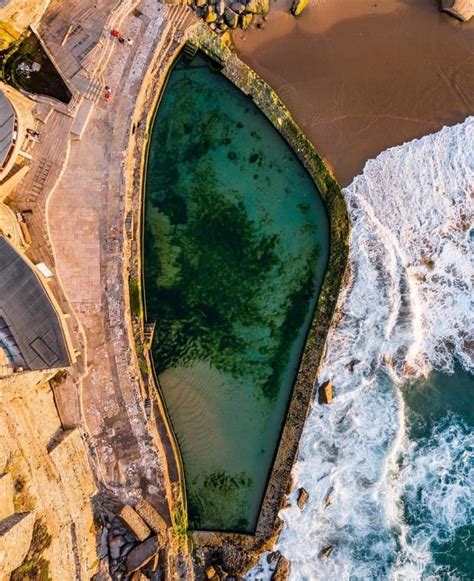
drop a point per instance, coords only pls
(406, 311)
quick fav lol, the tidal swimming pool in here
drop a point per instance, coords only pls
(236, 243)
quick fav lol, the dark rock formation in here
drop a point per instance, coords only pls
(141, 554)
(272, 556)
(298, 6)
(231, 18)
(303, 496)
(282, 571)
(461, 9)
(134, 523)
(325, 393)
(327, 551)
(152, 518)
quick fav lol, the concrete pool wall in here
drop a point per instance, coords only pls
(280, 480)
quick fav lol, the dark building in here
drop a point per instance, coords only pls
(31, 336)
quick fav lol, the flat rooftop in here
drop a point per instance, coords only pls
(7, 127)
(34, 334)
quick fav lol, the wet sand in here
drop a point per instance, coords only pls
(360, 76)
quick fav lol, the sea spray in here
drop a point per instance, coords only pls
(406, 311)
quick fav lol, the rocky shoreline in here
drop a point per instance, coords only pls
(223, 16)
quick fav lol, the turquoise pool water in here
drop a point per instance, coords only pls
(236, 242)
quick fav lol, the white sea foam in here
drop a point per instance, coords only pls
(406, 311)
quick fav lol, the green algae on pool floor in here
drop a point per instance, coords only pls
(236, 242)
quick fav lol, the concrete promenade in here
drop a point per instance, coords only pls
(74, 197)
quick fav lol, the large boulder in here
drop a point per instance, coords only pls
(282, 571)
(302, 499)
(210, 15)
(245, 20)
(238, 7)
(258, 6)
(231, 18)
(151, 516)
(141, 554)
(327, 551)
(325, 393)
(461, 9)
(134, 522)
(298, 6)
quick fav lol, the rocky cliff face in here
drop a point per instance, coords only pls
(46, 476)
(16, 16)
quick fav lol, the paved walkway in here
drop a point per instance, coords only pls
(86, 219)
(73, 197)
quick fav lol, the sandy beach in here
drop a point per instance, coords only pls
(360, 76)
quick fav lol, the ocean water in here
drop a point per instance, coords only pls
(236, 245)
(389, 465)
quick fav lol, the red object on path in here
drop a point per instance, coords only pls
(115, 33)
(107, 95)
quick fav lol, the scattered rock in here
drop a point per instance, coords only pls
(298, 6)
(103, 544)
(303, 496)
(210, 16)
(350, 366)
(272, 556)
(220, 7)
(210, 572)
(258, 6)
(328, 498)
(245, 20)
(126, 549)
(327, 551)
(226, 38)
(141, 554)
(134, 523)
(325, 393)
(116, 542)
(201, 3)
(461, 9)
(428, 262)
(151, 516)
(282, 571)
(231, 18)
(237, 7)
